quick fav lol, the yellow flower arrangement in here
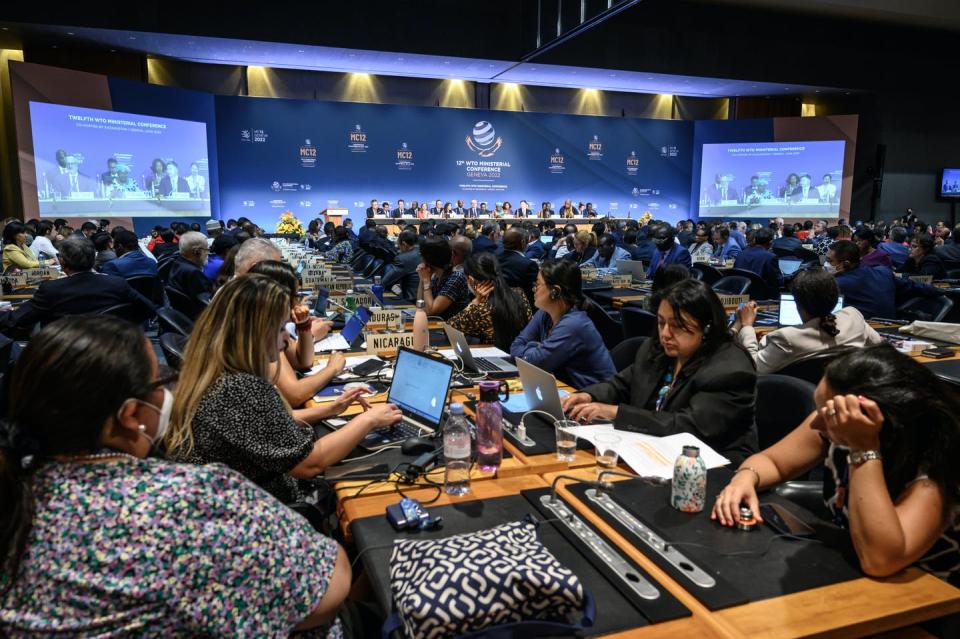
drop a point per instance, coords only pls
(288, 224)
(645, 218)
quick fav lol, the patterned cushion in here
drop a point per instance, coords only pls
(461, 584)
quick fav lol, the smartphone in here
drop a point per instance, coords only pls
(784, 522)
(938, 352)
(368, 367)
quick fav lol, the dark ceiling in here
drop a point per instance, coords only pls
(839, 43)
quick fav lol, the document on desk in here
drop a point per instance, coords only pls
(651, 456)
(335, 342)
(489, 351)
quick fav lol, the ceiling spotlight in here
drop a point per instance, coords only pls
(70, 33)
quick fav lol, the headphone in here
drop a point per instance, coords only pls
(555, 292)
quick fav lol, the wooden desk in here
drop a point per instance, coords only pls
(855, 608)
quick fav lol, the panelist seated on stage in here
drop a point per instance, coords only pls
(71, 181)
(227, 409)
(690, 377)
(668, 251)
(608, 253)
(474, 210)
(81, 291)
(131, 260)
(815, 293)
(805, 190)
(873, 290)
(560, 338)
(172, 182)
(401, 210)
(498, 312)
(192, 527)
(720, 191)
(402, 271)
(886, 429)
(758, 259)
(374, 209)
(196, 182)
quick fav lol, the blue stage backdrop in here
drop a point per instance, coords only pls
(303, 156)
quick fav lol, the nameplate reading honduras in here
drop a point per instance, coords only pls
(377, 342)
(733, 300)
(385, 316)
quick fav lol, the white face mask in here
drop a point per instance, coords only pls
(163, 422)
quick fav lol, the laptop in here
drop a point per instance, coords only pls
(341, 341)
(788, 267)
(540, 389)
(634, 268)
(419, 388)
(789, 314)
(492, 365)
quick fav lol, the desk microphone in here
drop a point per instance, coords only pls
(603, 486)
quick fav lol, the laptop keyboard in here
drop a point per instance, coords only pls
(484, 365)
(393, 434)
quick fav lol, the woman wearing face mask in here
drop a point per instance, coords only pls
(886, 428)
(497, 313)
(98, 538)
(689, 377)
(227, 408)
(560, 338)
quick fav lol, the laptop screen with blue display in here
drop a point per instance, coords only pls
(353, 327)
(420, 384)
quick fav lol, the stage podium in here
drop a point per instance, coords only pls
(337, 216)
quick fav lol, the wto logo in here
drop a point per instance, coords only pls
(484, 140)
(245, 135)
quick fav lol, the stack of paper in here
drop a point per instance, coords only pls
(651, 456)
(489, 351)
(334, 342)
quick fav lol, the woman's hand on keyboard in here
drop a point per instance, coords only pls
(383, 415)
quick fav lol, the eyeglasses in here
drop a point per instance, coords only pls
(165, 380)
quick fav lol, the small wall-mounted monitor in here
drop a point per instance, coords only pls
(950, 183)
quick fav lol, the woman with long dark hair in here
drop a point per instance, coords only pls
(689, 377)
(97, 538)
(561, 338)
(342, 250)
(815, 293)
(886, 428)
(444, 291)
(497, 313)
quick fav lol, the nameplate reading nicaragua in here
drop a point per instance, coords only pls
(377, 342)
(733, 300)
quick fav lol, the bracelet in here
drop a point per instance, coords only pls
(858, 457)
(302, 327)
(752, 470)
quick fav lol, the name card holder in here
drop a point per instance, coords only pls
(385, 317)
(17, 280)
(923, 279)
(42, 273)
(621, 281)
(701, 259)
(377, 342)
(733, 300)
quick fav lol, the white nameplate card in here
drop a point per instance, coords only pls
(18, 279)
(733, 300)
(923, 279)
(43, 272)
(621, 281)
(385, 316)
(701, 259)
(379, 342)
(588, 272)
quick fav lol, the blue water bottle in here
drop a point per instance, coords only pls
(377, 289)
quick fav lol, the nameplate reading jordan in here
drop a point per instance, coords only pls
(378, 342)
(385, 316)
(733, 300)
(923, 279)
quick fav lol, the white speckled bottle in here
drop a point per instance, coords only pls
(689, 488)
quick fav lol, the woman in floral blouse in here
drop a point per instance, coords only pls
(497, 313)
(342, 251)
(99, 540)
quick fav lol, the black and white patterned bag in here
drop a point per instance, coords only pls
(500, 582)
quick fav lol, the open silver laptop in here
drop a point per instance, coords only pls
(540, 389)
(493, 365)
(634, 268)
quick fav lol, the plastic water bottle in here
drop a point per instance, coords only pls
(421, 328)
(689, 488)
(490, 426)
(377, 289)
(350, 301)
(456, 452)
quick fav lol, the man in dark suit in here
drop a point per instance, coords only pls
(82, 291)
(109, 177)
(668, 251)
(758, 259)
(459, 210)
(381, 246)
(366, 234)
(487, 240)
(787, 241)
(473, 211)
(373, 209)
(400, 211)
(805, 190)
(131, 261)
(186, 273)
(518, 269)
(71, 180)
(403, 271)
(536, 250)
(951, 250)
(172, 182)
(437, 210)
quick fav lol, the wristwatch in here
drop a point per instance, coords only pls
(857, 457)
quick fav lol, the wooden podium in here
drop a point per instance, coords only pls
(335, 215)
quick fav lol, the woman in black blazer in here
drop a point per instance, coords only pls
(689, 377)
